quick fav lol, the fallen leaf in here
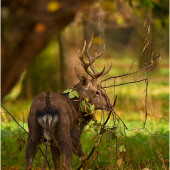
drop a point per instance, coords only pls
(119, 162)
(14, 168)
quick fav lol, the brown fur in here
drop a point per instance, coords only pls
(55, 117)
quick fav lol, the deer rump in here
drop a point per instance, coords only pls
(53, 113)
(47, 114)
(47, 119)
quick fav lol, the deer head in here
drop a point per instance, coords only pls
(90, 86)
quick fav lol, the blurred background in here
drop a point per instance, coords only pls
(39, 45)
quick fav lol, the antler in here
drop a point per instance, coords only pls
(84, 64)
(92, 60)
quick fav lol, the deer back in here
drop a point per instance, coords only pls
(50, 110)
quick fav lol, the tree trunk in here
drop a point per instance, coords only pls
(43, 73)
(27, 27)
(62, 62)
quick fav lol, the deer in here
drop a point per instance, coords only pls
(55, 118)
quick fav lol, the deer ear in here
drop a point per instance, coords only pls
(78, 73)
(81, 76)
(84, 80)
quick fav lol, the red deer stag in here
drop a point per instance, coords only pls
(56, 117)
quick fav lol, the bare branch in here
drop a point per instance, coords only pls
(158, 117)
(126, 83)
(146, 111)
(128, 74)
(14, 119)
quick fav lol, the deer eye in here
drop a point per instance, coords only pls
(97, 92)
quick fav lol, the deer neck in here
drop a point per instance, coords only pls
(76, 103)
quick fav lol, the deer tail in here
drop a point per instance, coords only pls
(46, 122)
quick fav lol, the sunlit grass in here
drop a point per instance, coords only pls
(141, 150)
(130, 107)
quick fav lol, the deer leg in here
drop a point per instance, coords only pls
(65, 147)
(55, 155)
(66, 152)
(77, 150)
(32, 147)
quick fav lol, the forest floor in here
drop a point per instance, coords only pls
(145, 147)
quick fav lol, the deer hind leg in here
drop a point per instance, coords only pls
(55, 155)
(77, 150)
(65, 146)
(32, 147)
(67, 156)
(66, 152)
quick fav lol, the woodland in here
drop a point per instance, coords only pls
(39, 50)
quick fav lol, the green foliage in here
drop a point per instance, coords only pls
(72, 93)
(86, 107)
(112, 132)
(134, 156)
(118, 131)
(76, 94)
(122, 148)
(146, 4)
(68, 90)
(160, 9)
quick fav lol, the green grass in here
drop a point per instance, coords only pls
(143, 149)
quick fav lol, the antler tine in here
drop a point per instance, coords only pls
(87, 50)
(89, 57)
(98, 55)
(103, 71)
(84, 64)
(90, 41)
(100, 74)
(84, 46)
